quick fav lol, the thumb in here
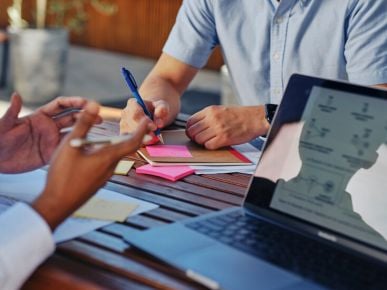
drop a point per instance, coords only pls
(86, 120)
(11, 115)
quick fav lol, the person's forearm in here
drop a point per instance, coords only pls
(156, 88)
(382, 86)
(167, 81)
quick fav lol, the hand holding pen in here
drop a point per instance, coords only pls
(130, 81)
(28, 142)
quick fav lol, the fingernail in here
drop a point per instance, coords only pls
(147, 138)
(159, 123)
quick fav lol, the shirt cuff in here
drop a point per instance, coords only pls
(25, 242)
(369, 79)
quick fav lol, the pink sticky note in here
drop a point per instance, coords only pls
(172, 173)
(168, 151)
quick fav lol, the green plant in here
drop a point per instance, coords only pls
(65, 13)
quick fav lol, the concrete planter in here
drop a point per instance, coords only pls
(38, 63)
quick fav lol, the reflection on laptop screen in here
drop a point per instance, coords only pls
(329, 168)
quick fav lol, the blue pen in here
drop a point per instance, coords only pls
(131, 82)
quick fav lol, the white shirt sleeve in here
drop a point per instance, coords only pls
(25, 242)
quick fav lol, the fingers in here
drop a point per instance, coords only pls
(213, 144)
(59, 104)
(136, 111)
(204, 135)
(86, 120)
(66, 121)
(195, 125)
(161, 113)
(12, 112)
(69, 120)
(131, 116)
(207, 128)
(124, 148)
(153, 140)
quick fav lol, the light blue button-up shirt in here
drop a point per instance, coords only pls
(264, 42)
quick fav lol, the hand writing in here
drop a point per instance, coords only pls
(133, 113)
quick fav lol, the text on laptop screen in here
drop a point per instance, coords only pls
(330, 167)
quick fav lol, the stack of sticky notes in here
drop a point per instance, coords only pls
(103, 209)
(172, 173)
(123, 167)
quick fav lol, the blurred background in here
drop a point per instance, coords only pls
(91, 41)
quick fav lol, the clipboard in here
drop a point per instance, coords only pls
(200, 155)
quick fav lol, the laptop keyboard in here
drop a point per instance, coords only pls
(289, 250)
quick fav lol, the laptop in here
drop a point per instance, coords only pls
(315, 211)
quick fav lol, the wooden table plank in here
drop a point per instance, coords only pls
(238, 180)
(63, 273)
(219, 187)
(192, 187)
(166, 215)
(169, 203)
(144, 183)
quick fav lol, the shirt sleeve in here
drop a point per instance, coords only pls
(25, 242)
(366, 43)
(193, 37)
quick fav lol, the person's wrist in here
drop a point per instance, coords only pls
(263, 124)
(49, 210)
(270, 110)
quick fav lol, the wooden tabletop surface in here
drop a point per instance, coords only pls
(102, 260)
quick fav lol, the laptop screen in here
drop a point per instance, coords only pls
(325, 161)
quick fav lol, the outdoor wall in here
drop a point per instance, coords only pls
(140, 27)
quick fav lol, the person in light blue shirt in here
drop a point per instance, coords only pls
(263, 43)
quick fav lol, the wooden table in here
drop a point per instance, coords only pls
(101, 259)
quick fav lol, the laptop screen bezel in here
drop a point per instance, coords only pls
(291, 110)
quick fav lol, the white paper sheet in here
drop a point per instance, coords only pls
(248, 150)
(27, 186)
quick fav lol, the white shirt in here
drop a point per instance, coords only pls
(25, 242)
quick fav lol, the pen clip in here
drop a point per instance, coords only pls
(129, 79)
(132, 79)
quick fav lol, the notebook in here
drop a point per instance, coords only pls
(178, 149)
(315, 211)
